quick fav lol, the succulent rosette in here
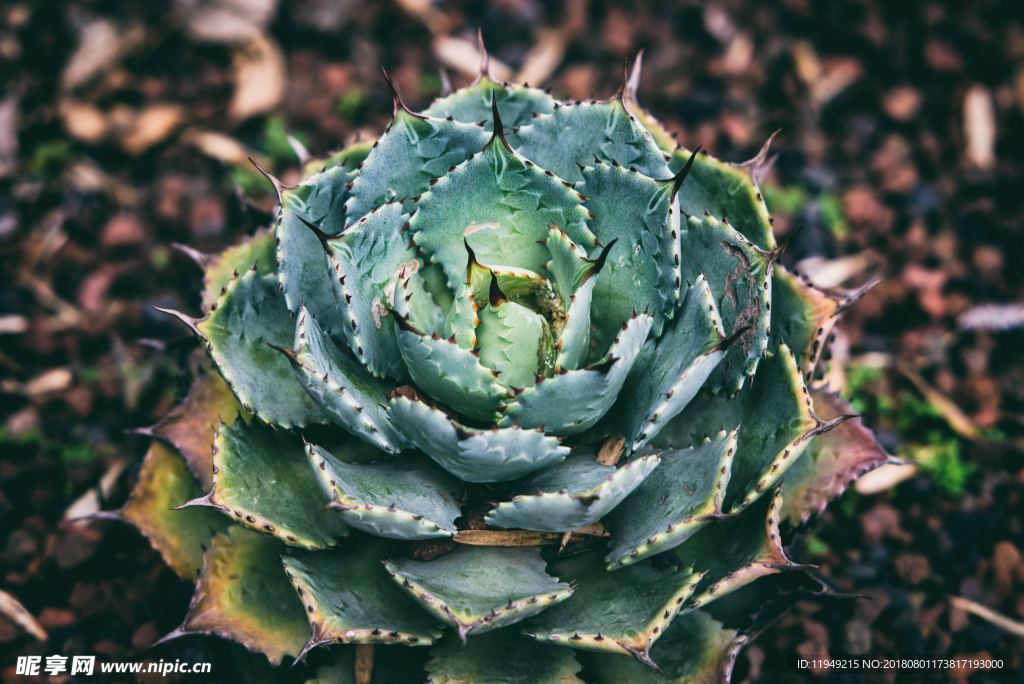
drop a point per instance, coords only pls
(519, 392)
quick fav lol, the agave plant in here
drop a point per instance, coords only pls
(519, 391)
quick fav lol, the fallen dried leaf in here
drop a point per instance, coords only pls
(506, 538)
(84, 121)
(48, 382)
(434, 19)
(92, 500)
(992, 317)
(150, 126)
(219, 146)
(611, 451)
(953, 414)
(989, 615)
(544, 57)
(1007, 566)
(885, 477)
(226, 21)
(980, 127)
(101, 44)
(463, 56)
(259, 74)
(11, 608)
(8, 134)
(13, 324)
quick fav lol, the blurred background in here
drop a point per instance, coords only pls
(125, 127)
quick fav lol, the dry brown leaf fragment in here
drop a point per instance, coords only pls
(992, 317)
(364, 663)
(219, 146)
(464, 57)
(998, 619)
(953, 414)
(12, 609)
(226, 21)
(259, 73)
(980, 127)
(544, 57)
(100, 45)
(149, 126)
(84, 121)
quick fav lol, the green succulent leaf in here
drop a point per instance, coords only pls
(575, 400)
(518, 104)
(502, 207)
(501, 657)
(190, 425)
(348, 393)
(642, 270)
(350, 156)
(622, 612)
(413, 150)
(474, 455)
(696, 649)
(572, 494)
(476, 589)
(727, 191)
(242, 594)
(682, 495)
(574, 341)
(734, 551)
(370, 261)
(777, 424)
(739, 275)
(573, 134)
(250, 317)
(802, 317)
(831, 462)
(452, 375)
(301, 267)
(443, 326)
(405, 498)
(513, 342)
(669, 373)
(179, 536)
(261, 479)
(349, 598)
(219, 270)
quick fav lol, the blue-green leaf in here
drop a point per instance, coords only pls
(475, 455)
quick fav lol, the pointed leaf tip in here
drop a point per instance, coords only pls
(679, 178)
(498, 126)
(320, 235)
(599, 262)
(494, 295)
(403, 324)
(622, 94)
(398, 104)
(191, 322)
(279, 187)
(787, 240)
(760, 163)
(470, 258)
(202, 259)
(851, 297)
(289, 354)
(731, 339)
